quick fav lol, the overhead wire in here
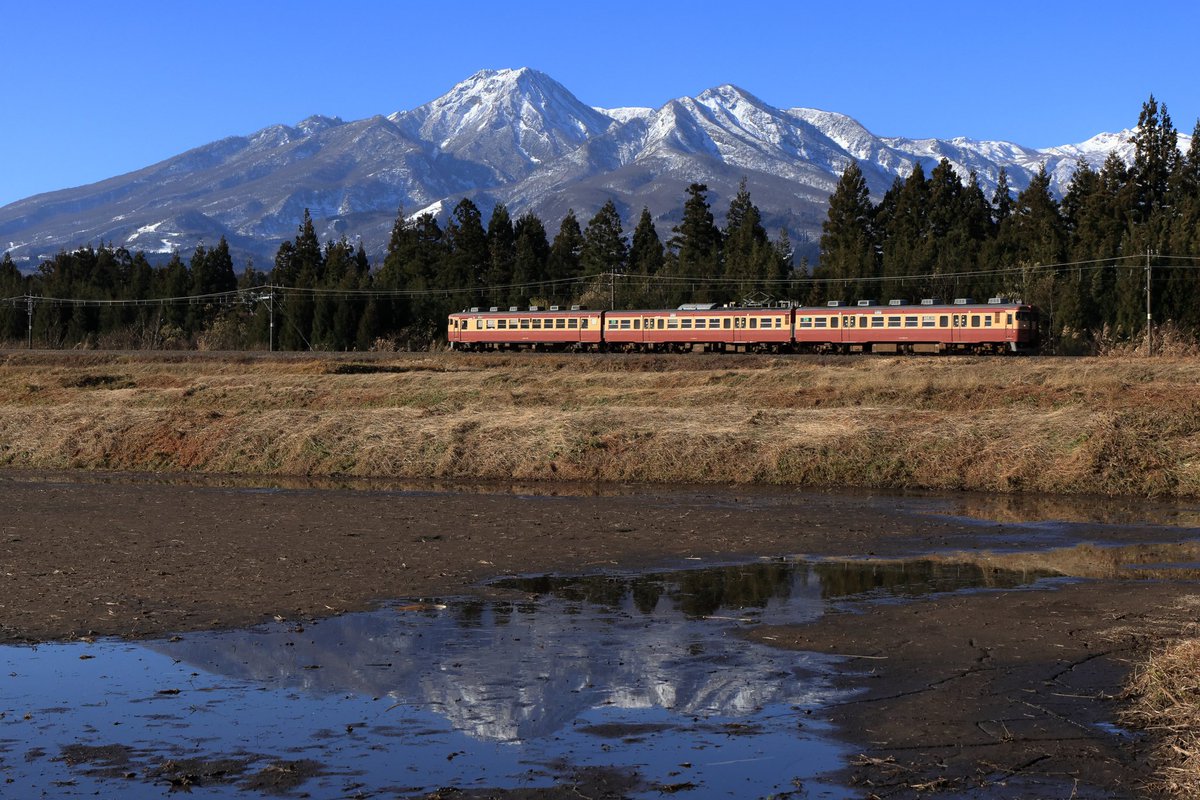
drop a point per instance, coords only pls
(264, 292)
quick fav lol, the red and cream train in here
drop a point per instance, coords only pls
(964, 326)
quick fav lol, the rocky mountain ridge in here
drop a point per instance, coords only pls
(512, 136)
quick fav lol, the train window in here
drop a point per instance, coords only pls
(876, 322)
(612, 324)
(560, 323)
(637, 324)
(987, 320)
(537, 324)
(727, 323)
(974, 320)
(1010, 319)
(754, 322)
(626, 324)
(572, 323)
(524, 324)
(893, 322)
(661, 322)
(944, 321)
(819, 322)
(685, 323)
(490, 324)
(850, 322)
(910, 322)
(833, 322)
(672, 324)
(583, 323)
(806, 322)
(928, 321)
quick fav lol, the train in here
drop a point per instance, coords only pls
(930, 326)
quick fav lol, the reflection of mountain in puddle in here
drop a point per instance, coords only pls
(513, 670)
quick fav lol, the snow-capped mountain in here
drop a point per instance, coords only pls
(512, 136)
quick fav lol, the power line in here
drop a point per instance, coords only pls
(261, 293)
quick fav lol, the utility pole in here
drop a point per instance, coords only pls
(29, 315)
(612, 290)
(1149, 319)
(269, 296)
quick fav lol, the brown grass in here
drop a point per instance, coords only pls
(1164, 695)
(1111, 426)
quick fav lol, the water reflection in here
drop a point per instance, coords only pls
(639, 675)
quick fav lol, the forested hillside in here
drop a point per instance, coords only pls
(1084, 260)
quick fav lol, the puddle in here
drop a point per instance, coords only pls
(640, 679)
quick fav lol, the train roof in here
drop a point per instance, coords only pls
(894, 307)
(966, 303)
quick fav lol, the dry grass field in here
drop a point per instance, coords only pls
(1116, 426)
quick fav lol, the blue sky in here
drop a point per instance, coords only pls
(92, 89)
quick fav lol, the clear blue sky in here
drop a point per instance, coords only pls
(95, 89)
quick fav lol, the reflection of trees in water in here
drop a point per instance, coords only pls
(915, 578)
(704, 592)
(696, 593)
(1017, 508)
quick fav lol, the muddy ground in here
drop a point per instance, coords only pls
(992, 694)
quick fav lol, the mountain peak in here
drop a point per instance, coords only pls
(513, 119)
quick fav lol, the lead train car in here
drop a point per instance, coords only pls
(961, 327)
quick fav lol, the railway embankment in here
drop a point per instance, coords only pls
(1115, 426)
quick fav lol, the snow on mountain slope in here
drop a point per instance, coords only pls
(511, 120)
(514, 136)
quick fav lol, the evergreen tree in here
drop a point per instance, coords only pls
(502, 253)
(1002, 199)
(604, 248)
(695, 247)
(416, 261)
(847, 239)
(13, 318)
(563, 263)
(646, 249)
(176, 283)
(467, 255)
(299, 268)
(1183, 285)
(908, 247)
(532, 254)
(748, 255)
(1038, 224)
(1155, 159)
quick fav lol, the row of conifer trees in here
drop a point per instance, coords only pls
(1081, 259)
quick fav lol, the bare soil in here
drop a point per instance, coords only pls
(993, 694)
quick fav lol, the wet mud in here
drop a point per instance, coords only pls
(966, 645)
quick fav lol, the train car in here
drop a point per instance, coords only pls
(531, 328)
(930, 326)
(700, 327)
